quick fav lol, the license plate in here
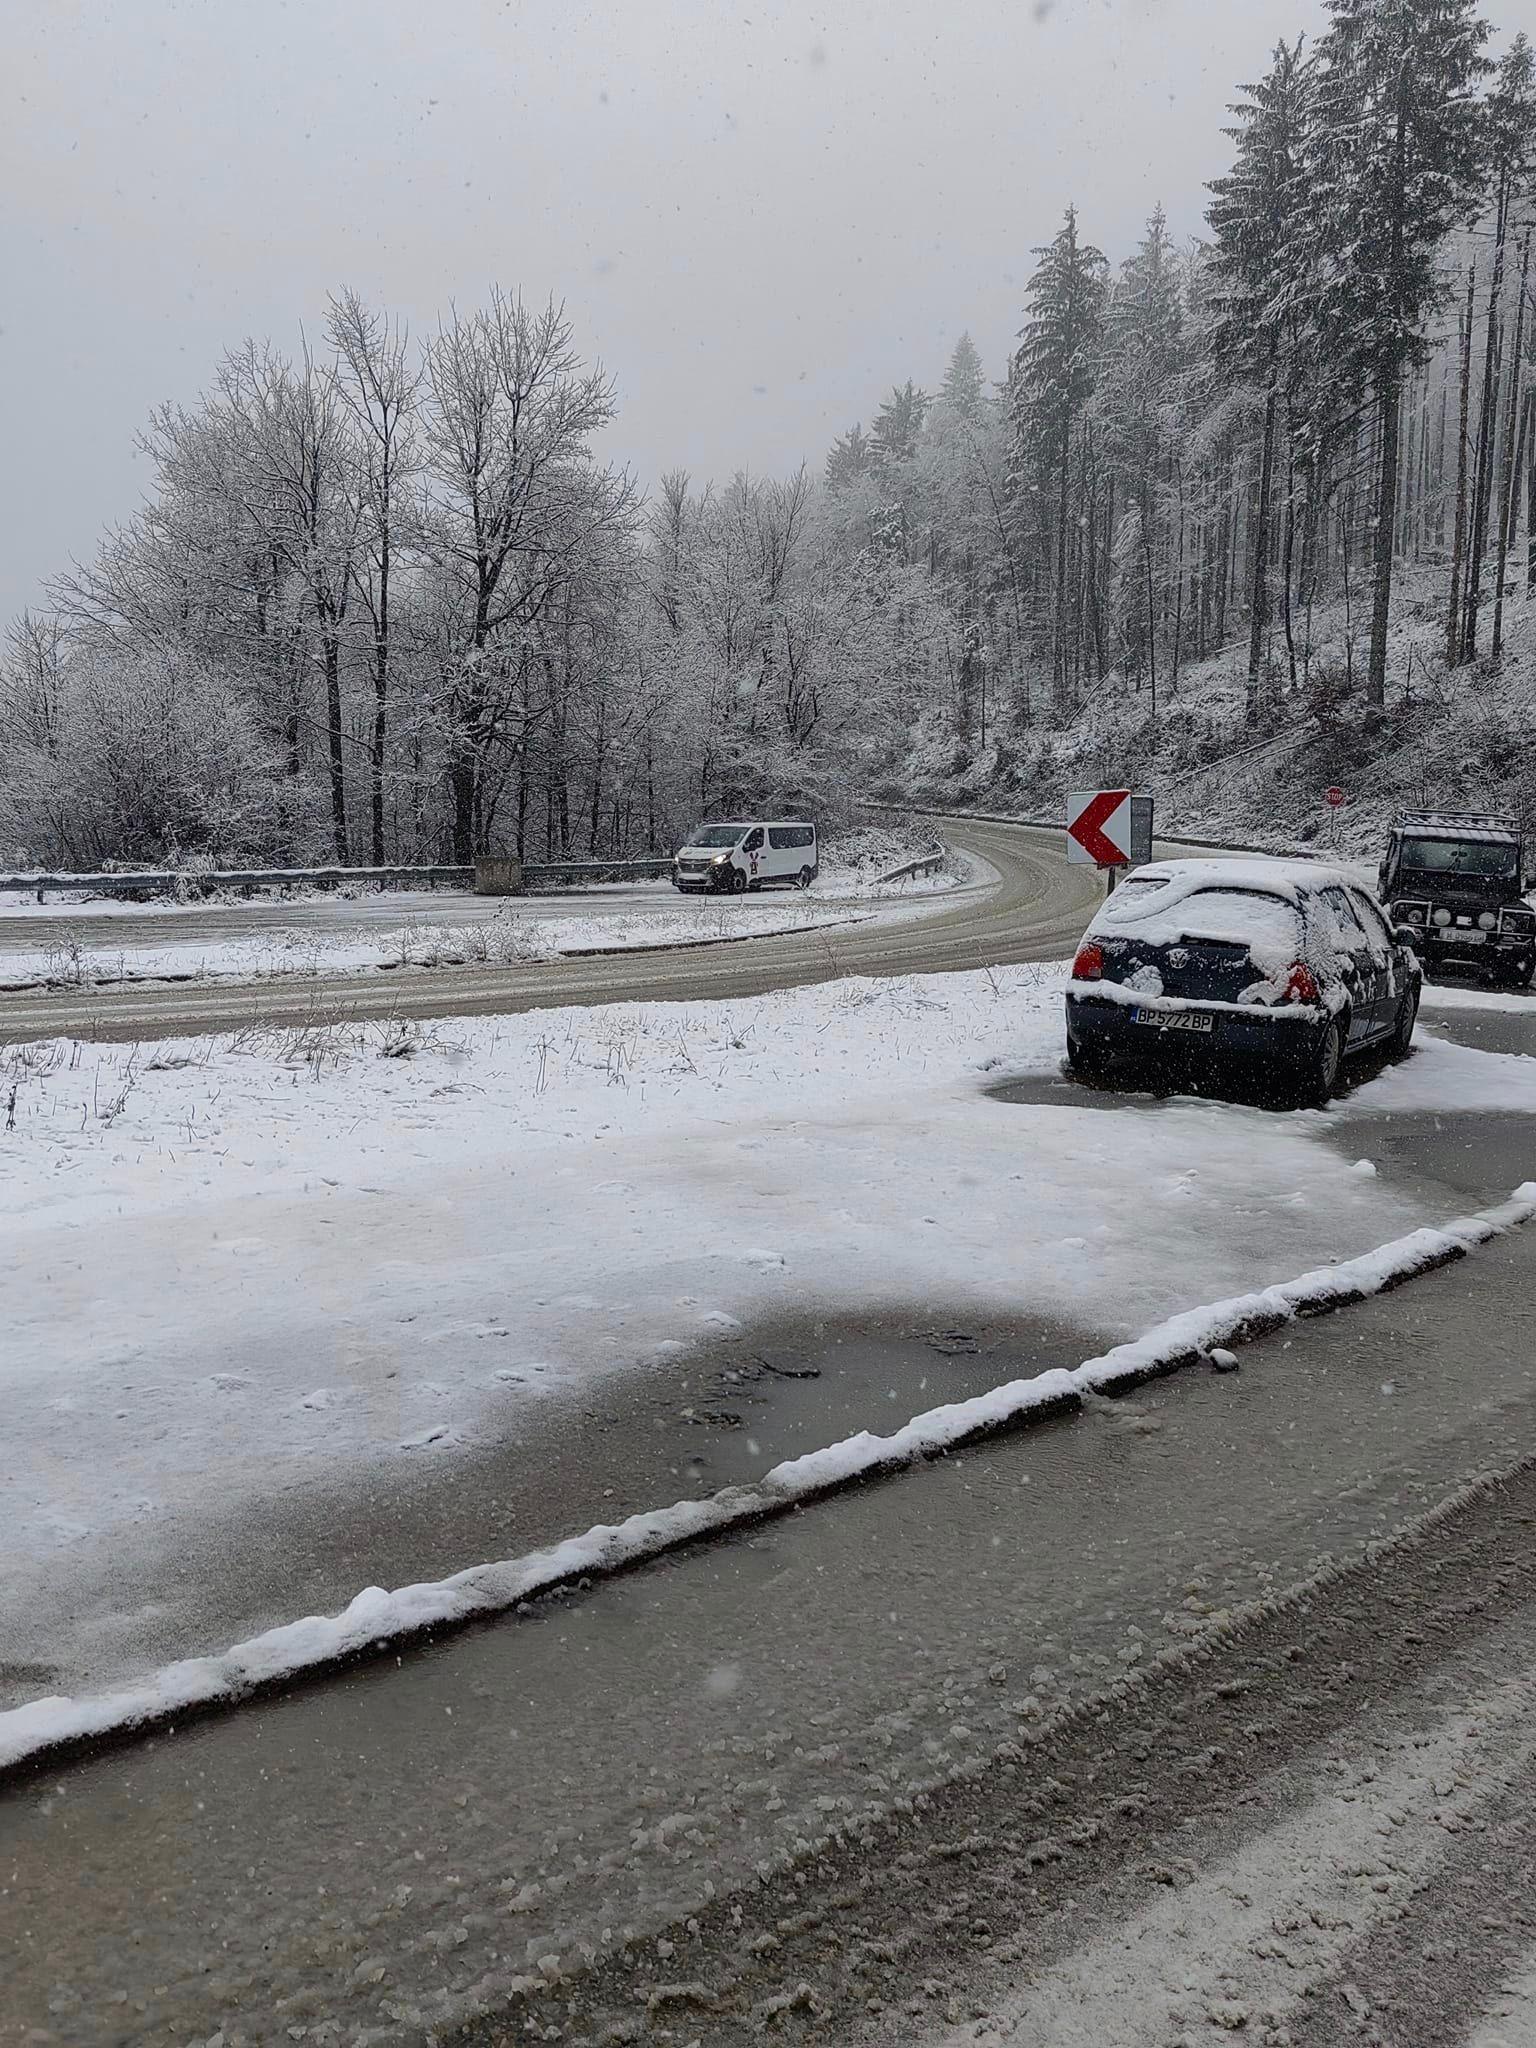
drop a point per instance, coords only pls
(1173, 1020)
(1466, 938)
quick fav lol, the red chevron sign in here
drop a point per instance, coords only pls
(1099, 827)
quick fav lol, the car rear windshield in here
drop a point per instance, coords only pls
(1236, 917)
(1495, 857)
(717, 835)
(1130, 898)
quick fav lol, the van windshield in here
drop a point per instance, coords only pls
(716, 835)
(1498, 857)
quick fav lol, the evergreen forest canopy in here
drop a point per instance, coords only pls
(385, 604)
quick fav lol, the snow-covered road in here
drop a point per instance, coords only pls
(1021, 902)
(401, 930)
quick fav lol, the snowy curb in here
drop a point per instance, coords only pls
(46, 1731)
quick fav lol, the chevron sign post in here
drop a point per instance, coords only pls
(1108, 828)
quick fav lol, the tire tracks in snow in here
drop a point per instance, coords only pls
(1370, 1717)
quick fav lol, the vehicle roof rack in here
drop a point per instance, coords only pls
(1456, 821)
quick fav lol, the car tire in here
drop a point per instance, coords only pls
(803, 879)
(1321, 1066)
(738, 882)
(1400, 1044)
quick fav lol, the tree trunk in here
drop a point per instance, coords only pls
(1440, 459)
(461, 793)
(1059, 650)
(380, 703)
(1385, 536)
(1509, 468)
(1458, 550)
(1221, 551)
(1178, 603)
(1258, 602)
(1486, 427)
(334, 744)
(1288, 566)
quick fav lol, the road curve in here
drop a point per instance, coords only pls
(1034, 910)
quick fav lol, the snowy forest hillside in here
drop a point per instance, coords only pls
(1234, 521)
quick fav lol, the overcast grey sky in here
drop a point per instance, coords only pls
(760, 216)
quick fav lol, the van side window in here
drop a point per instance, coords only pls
(753, 843)
(781, 836)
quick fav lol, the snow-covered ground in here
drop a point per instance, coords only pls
(1457, 740)
(91, 941)
(237, 1264)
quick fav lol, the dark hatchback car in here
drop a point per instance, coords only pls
(1280, 965)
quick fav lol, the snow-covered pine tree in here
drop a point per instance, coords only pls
(893, 437)
(1397, 161)
(1054, 371)
(1260, 265)
(965, 383)
(1137, 401)
(1510, 134)
(848, 458)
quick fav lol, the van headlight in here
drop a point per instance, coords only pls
(1442, 916)
(1487, 921)
(720, 860)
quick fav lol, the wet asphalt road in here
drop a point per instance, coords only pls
(1029, 906)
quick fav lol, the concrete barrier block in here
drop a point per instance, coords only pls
(498, 874)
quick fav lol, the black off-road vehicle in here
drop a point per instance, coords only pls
(1456, 879)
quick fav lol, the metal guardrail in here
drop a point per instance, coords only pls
(164, 882)
(1167, 836)
(621, 870)
(154, 882)
(924, 866)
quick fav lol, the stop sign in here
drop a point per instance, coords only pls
(1334, 797)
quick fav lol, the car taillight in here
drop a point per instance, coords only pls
(1089, 964)
(1301, 984)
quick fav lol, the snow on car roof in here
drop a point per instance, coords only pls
(1154, 889)
(1171, 901)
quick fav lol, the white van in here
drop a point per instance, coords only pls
(748, 855)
